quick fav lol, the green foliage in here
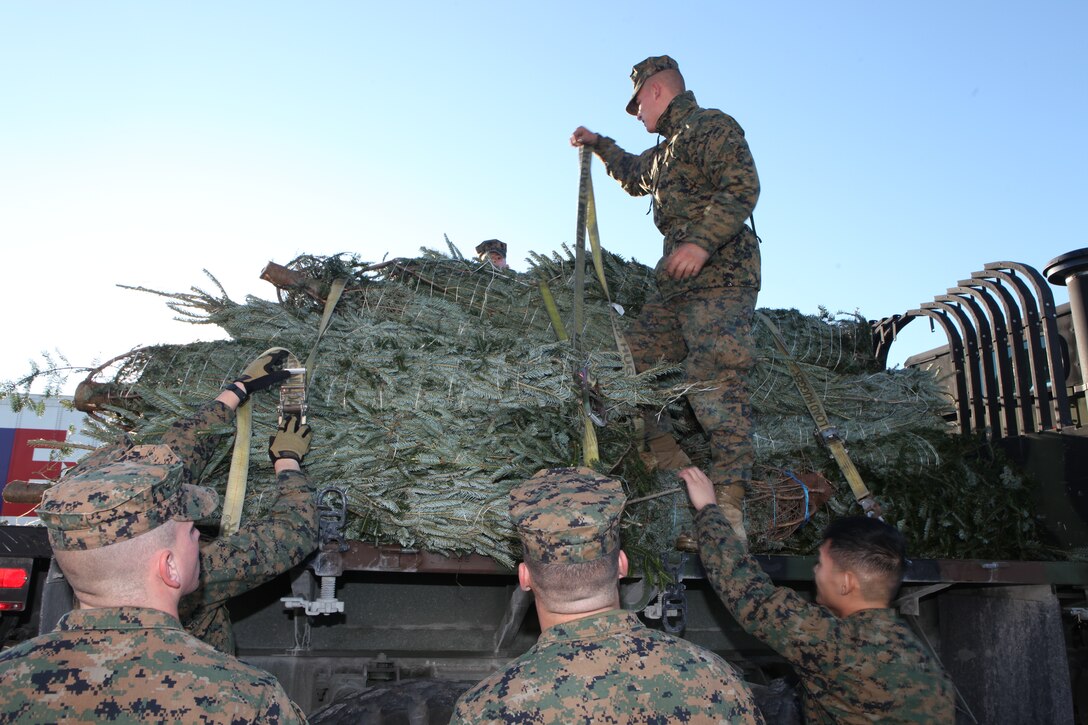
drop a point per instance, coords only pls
(439, 384)
(52, 375)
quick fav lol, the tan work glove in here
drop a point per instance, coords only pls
(265, 371)
(291, 441)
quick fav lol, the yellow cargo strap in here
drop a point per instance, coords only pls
(580, 247)
(827, 432)
(239, 470)
(590, 449)
(553, 312)
(598, 264)
(292, 399)
(335, 290)
(587, 221)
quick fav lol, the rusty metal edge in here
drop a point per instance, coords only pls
(362, 556)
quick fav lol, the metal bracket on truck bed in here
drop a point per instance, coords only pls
(332, 512)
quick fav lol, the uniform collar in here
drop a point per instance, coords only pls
(594, 626)
(674, 114)
(122, 618)
(874, 613)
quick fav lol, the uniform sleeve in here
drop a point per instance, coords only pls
(261, 549)
(632, 171)
(471, 705)
(778, 616)
(722, 153)
(460, 713)
(196, 438)
(281, 710)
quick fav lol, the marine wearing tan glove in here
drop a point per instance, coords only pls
(291, 441)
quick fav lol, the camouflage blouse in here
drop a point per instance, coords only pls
(259, 551)
(130, 665)
(704, 186)
(867, 667)
(609, 667)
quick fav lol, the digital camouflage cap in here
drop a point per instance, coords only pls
(122, 499)
(568, 515)
(644, 70)
(490, 245)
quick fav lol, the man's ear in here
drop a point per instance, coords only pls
(655, 89)
(168, 569)
(850, 583)
(623, 564)
(525, 579)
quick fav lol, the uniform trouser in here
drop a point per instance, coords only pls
(709, 331)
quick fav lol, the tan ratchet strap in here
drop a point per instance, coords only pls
(335, 290)
(587, 222)
(553, 312)
(614, 310)
(585, 156)
(590, 449)
(239, 471)
(827, 432)
(598, 264)
(292, 401)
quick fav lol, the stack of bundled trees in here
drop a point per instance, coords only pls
(440, 382)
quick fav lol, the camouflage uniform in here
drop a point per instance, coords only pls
(132, 664)
(259, 551)
(608, 666)
(868, 667)
(704, 186)
(129, 663)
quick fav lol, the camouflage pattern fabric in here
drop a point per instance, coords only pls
(868, 667)
(490, 245)
(121, 498)
(130, 665)
(610, 668)
(710, 332)
(195, 438)
(258, 552)
(567, 515)
(642, 72)
(704, 186)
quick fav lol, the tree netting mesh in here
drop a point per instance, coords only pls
(440, 383)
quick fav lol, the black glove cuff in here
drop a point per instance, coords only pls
(243, 396)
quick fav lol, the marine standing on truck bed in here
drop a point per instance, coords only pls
(122, 531)
(703, 185)
(594, 662)
(858, 662)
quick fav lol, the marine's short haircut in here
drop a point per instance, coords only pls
(567, 587)
(672, 78)
(872, 549)
(115, 571)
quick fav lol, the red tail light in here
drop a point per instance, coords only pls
(13, 577)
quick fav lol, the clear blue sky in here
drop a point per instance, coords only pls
(900, 145)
